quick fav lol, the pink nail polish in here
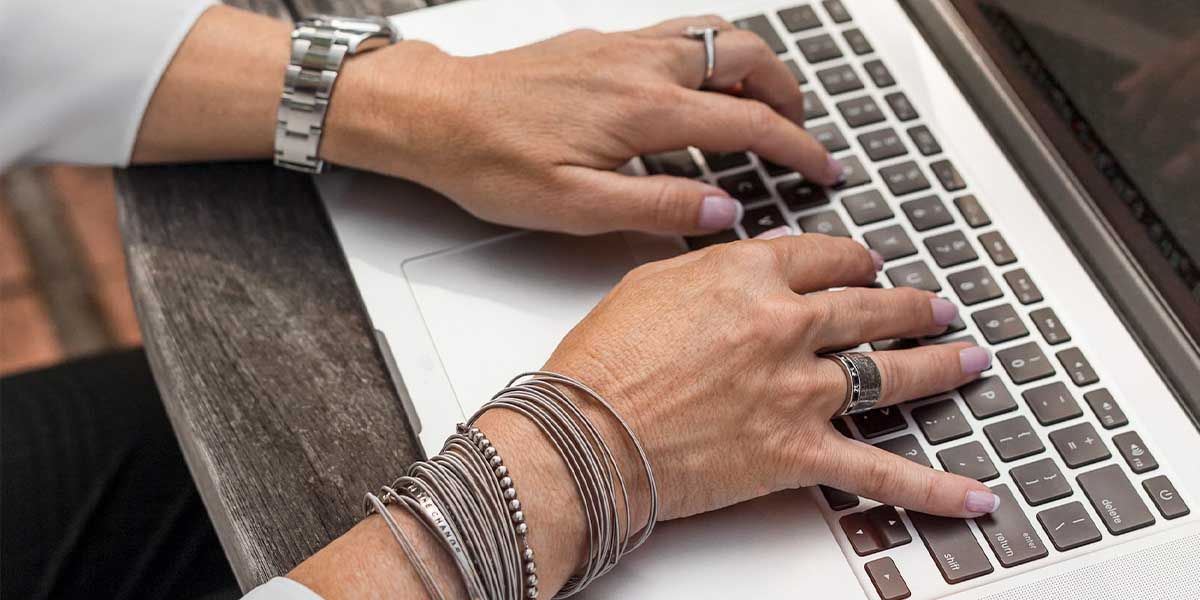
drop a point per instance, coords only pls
(834, 171)
(771, 234)
(718, 212)
(944, 311)
(974, 359)
(877, 258)
(981, 502)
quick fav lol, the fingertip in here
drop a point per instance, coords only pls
(876, 259)
(718, 213)
(974, 360)
(981, 502)
(835, 173)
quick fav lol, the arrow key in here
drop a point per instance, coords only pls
(889, 530)
(887, 579)
(857, 528)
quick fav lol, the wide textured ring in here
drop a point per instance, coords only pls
(709, 35)
(863, 382)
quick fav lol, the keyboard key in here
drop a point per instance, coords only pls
(974, 285)
(1052, 403)
(903, 109)
(746, 186)
(837, 499)
(860, 111)
(952, 546)
(987, 397)
(887, 579)
(764, 218)
(840, 425)
(813, 107)
(857, 41)
(941, 421)
(882, 144)
(1025, 363)
(873, 530)
(1078, 367)
(914, 275)
(949, 249)
(948, 175)
(923, 139)
(836, 11)
(904, 178)
(1165, 497)
(968, 460)
(906, 446)
(1000, 324)
(830, 136)
(926, 213)
(855, 174)
(1079, 445)
(1134, 451)
(798, 194)
(879, 73)
(818, 48)
(763, 29)
(704, 241)
(1023, 287)
(972, 212)
(1105, 406)
(772, 169)
(827, 222)
(797, 74)
(1012, 537)
(867, 207)
(894, 344)
(1052, 329)
(880, 421)
(678, 163)
(858, 531)
(1115, 500)
(1040, 481)
(1013, 438)
(890, 242)
(1069, 526)
(997, 248)
(799, 18)
(724, 161)
(839, 80)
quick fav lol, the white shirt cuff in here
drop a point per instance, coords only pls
(281, 588)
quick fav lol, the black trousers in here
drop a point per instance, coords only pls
(95, 499)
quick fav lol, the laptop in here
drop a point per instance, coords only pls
(988, 159)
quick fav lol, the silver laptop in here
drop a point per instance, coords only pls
(1069, 253)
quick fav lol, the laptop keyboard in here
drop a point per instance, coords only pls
(1022, 422)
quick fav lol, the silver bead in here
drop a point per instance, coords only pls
(501, 471)
(484, 443)
(528, 554)
(530, 568)
(514, 504)
(522, 528)
(473, 430)
(510, 493)
(476, 435)
(531, 581)
(489, 451)
(462, 427)
(506, 482)
(531, 593)
(495, 461)
(518, 517)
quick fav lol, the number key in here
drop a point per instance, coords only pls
(926, 213)
(867, 207)
(1025, 363)
(759, 220)
(915, 275)
(949, 249)
(1000, 324)
(882, 144)
(974, 285)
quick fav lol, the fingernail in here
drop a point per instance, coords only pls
(834, 171)
(981, 502)
(944, 311)
(771, 234)
(719, 212)
(974, 359)
(877, 258)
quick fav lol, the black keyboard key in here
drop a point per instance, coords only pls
(762, 219)
(797, 74)
(857, 41)
(949, 249)
(1023, 287)
(774, 170)
(974, 285)
(1025, 363)
(1069, 526)
(902, 108)
(879, 73)
(887, 579)
(818, 48)
(987, 397)
(1108, 412)
(1079, 445)
(972, 212)
(827, 222)
(1013, 438)
(830, 136)
(860, 111)
(1000, 324)
(704, 241)
(923, 139)
(880, 421)
(1040, 481)
(969, 460)
(746, 186)
(906, 446)
(1052, 329)
(678, 163)
(813, 107)
(882, 144)
(1134, 451)
(997, 248)
(839, 80)
(1165, 497)
(904, 178)
(1052, 403)
(1115, 500)
(853, 173)
(841, 426)
(763, 29)
(894, 344)
(867, 207)
(1078, 368)
(941, 421)
(837, 11)
(888, 526)
(798, 194)
(858, 531)
(952, 546)
(890, 242)
(948, 175)
(914, 275)
(926, 213)
(799, 18)
(1012, 537)
(837, 499)
(724, 161)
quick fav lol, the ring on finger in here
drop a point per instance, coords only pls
(709, 35)
(864, 384)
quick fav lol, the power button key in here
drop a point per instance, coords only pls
(1165, 497)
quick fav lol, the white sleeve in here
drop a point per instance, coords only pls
(281, 588)
(76, 76)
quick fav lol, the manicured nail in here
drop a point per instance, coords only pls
(834, 171)
(974, 359)
(771, 234)
(944, 311)
(719, 212)
(981, 502)
(877, 258)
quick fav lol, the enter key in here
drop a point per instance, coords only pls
(1009, 532)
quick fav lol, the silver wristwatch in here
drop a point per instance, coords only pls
(319, 44)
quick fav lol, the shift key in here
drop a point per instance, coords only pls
(952, 547)
(1009, 532)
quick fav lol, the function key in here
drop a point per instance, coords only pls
(880, 421)
(987, 397)
(1069, 526)
(827, 222)
(901, 106)
(1022, 285)
(907, 447)
(914, 275)
(1009, 532)
(760, 26)
(972, 212)
(799, 194)
(879, 73)
(797, 74)
(1079, 445)
(799, 18)
(952, 546)
(830, 136)
(1040, 481)
(941, 421)
(678, 163)
(853, 173)
(1052, 329)
(1105, 406)
(764, 218)
(924, 141)
(857, 41)
(813, 107)
(818, 48)
(1052, 403)
(860, 111)
(968, 460)
(890, 242)
(999, 324)
(723, 161)
(839, 80)
(904, 178)
(882, 144)
(704, 241)
(1134, 451)
(746, 186)
(997, 248)
(837, 499)
(836, 11)
(1077, 367)
(887, 579)
(974, 285)
(1115, 500)
(927, 213)
(867, 207)
(1165, 497)
(951, 248)
(948, 175)
(1025, 363)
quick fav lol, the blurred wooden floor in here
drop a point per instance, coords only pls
(63, 289)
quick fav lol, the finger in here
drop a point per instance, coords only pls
(658, 204)
(867, 471)
(812, 261)
(741, 57)
(912, 373)
(858, 315)
(677, 26)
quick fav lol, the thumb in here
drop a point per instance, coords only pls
(880, 475)
(656, 204)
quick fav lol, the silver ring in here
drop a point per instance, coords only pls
(863, 382)
(709, 35)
